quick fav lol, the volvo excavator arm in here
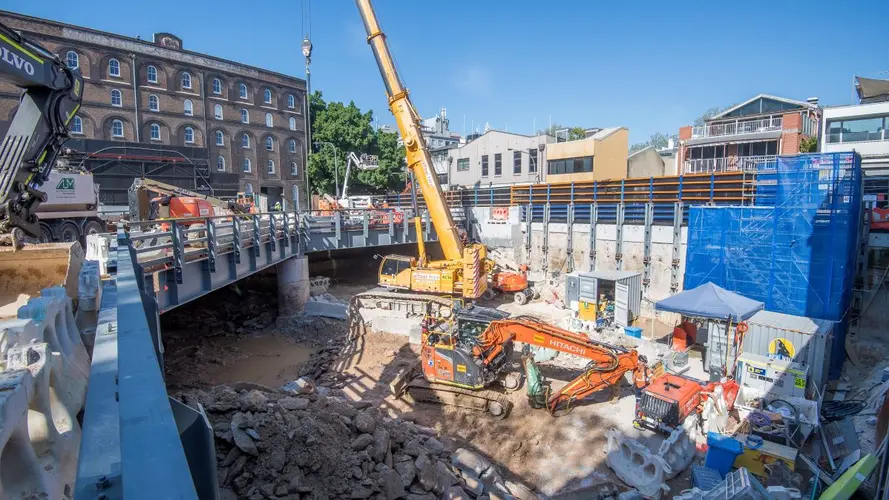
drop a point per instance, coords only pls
(51, 96)
(607, 363)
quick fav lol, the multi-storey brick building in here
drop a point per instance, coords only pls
(747, 135)
(155, 94)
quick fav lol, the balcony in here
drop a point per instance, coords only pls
(730, 164)
(737, 128)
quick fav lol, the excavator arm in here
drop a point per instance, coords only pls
(28, 152)
(608, 363)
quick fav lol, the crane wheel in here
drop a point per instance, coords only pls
(520, 298)
(496, 409)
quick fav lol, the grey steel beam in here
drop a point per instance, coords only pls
(594, 219)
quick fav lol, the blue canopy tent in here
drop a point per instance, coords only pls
(710, 301)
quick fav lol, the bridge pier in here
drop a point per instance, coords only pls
(293, 286)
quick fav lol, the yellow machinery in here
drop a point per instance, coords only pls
(463, 270)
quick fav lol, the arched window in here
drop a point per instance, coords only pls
(72, 60)
(155, 132)
(242, 91)
(294, 189)
(220, 138)
(188, 107)
(151, 73)
(291, 102)
(189, 135)
(291, 146)
(153, 103)
(292, 123)
(269, 121)
(217, 86)
(76, 125)
(247, 171)
(248, 188)
(293, 169)
(113, 67)
(245, 141)
(267, 96)
(217, 112)
(271, 166)
(269, 144)
(220, 164)
(186, 80)
(117, 128)
(116, 99)
(245, 116)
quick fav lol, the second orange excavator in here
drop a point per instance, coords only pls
(463, 355)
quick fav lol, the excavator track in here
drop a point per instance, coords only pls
(495, 403)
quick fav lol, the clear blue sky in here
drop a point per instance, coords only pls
(651, 66)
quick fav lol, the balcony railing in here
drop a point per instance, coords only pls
(737, 128)
(730, 164)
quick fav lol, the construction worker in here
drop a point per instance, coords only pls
(278, 206)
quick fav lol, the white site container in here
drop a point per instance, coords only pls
(627, 292)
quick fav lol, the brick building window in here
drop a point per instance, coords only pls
(292, 123)
(113, 67)
(484, 165)
(248, 188)
(189, 135)
(220, 164)
(516, 162)
(188, 107)
(220, 138)
(245, 141)
(186, 80)
(217, 86)
(269, 120)
(291, 146)
(217, 112)
(116, 99)
(291, 102)
(242, 91)
(269, 144)
(267, 96)
(247, 167)
(498, 165)
(153, 103)
(155, 131)
(117, 128)
(293, 169)
(271, 166)
(151, 73)
(77, 125)
(72, 60)
(245, 116)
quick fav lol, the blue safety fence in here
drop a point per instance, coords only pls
(796, 252)
(634, 213)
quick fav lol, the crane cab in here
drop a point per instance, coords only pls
(395, 271)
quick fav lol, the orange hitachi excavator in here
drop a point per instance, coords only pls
(461, 356)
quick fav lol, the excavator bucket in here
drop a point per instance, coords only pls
(475, 280)
(24, 272)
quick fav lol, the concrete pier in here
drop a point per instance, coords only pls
(293, 286)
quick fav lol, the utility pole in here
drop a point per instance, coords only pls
(307, 53)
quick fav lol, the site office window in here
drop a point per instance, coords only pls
(570, 165)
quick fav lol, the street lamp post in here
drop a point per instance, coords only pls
(336, 168)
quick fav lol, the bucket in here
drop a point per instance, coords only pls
(633, 331)
(721, 452)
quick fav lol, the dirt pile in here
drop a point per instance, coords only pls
(278, 445)
(235, 310)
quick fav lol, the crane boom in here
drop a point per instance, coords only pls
(418, 158)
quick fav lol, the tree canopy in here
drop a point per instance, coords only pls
(349, 129)
(574, 133)
(657, 139)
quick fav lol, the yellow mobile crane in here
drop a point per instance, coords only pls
(464, 269)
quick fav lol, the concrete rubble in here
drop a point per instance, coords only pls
(286, 445)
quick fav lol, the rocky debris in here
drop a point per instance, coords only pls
(279, 444)
(239, 310)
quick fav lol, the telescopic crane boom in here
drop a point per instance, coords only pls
(51, 97)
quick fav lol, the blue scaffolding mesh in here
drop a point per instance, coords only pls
(795, 250)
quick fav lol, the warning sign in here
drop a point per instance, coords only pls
(781, 348)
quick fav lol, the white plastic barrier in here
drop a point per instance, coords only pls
(97, 249)
(42, 390)
(89, 298)
(679, 450)
(636, 465)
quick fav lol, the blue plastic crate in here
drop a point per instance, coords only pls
(633, 331)
(704, 478)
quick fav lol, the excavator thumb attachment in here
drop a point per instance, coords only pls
(35, 267)
(475, 280)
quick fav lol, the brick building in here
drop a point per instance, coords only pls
(748, 134)
(155, 94)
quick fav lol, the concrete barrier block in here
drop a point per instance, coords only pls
(678, 450)
(21, 473)
(636, 465)
(18, 332)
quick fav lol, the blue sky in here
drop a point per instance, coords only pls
(651, 66)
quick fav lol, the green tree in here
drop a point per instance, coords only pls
(710, 113)
(574, 133)
(808, 145)
(657, 139)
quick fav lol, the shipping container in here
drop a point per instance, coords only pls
(805, 341)
(582, 291)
